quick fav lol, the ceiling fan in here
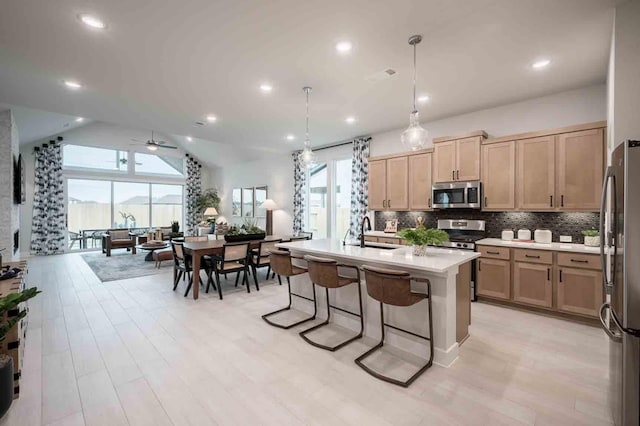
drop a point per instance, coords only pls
(153, 144)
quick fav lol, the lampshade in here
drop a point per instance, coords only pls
(269, 204)
(211, 211)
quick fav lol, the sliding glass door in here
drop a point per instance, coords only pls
(88, 210)
(329, 199)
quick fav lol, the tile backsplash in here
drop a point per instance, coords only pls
(559, 223)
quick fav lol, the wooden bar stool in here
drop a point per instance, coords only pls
(282, 266)
(393, 287)
(324, 272)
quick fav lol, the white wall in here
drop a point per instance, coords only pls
(562, 109)
(626, 72)
(9, 212)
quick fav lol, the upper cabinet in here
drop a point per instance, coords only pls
(499, 176)
(377, 190)
(420, 181)
(580, 169)
(555, 170)
(458, 159)
(398, 183)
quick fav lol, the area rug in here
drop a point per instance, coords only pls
(122, 265)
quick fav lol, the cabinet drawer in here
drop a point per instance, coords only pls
(576, 260)
(389, 240)
(495, 252)
(371, 239)
(533, 256)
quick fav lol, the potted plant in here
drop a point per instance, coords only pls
(9, 303)
(207, 198)
(591, 237)
(248, 231)
(175, 230)
(421, 237)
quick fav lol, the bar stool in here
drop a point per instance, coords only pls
(283, 267)
(393, 287)
(324, 272)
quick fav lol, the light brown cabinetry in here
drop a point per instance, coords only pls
(579, 290)
(420, 181)
(580, 169)
(499, 176)
(532, 284)
(389, 184)
(536, 173)
(457, 160)
(377, 184)
(494, 278)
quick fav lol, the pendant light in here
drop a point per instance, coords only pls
(415, 137)
(307, 157)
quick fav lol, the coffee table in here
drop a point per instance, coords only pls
(151, 249)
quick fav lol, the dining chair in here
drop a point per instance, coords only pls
(260, 258)
(234, 258)
(183, 267)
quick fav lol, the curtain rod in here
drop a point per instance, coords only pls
(335, 145)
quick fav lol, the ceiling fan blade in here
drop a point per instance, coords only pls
(167, 146)
(138, 140)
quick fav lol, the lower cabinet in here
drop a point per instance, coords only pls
(494, 278)
(532, 284)
(579, 291)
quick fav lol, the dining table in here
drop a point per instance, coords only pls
(197, 249)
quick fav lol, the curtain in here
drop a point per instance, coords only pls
(299, 192)
(48, 225)
(193, 188)
(359, 183)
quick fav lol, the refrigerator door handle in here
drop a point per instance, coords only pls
(608, 285)
(616, 337)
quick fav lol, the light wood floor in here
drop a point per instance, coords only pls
(134, 352)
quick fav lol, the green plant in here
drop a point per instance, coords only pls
(11, 302)
(175, 226)
(591, 233)
(421, 236)
(207, 198)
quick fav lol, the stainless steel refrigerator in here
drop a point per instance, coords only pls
(620, 315)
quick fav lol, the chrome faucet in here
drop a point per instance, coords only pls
(368, 222)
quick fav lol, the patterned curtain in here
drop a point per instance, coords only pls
(193, 188)
(359, 183)
(299, 192)
(48, 226)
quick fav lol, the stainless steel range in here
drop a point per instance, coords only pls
(463, 233)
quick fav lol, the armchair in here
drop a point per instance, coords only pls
(119, 238)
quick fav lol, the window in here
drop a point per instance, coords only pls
(329, 198)
(152, 164)
(130, 205)
(92, 158)
(166, 204)
(88, 204)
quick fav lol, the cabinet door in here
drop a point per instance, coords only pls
(420, 182)
(536, 173)
(494, 278)
(444, 161)
(468, 159)
(579, 291)
(532, 284)
(580, 169)
(499, 176)
(398, 183)
(377, 185)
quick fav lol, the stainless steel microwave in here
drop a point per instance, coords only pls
(457, 195)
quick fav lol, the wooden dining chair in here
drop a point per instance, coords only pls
(234, 258)
(183, 267)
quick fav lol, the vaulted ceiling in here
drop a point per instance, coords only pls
(165, 64)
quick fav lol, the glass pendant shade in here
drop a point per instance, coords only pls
(307, 156)
(415, 137)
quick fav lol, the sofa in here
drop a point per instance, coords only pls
(119, 238)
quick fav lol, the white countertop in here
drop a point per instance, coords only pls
(381, 234)
(438, 260)
(574, 248)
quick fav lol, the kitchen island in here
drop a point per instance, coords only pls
(448, 270)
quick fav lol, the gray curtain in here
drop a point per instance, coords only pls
(48, 217)
(193, 188)
(359, 183)
(299, 192)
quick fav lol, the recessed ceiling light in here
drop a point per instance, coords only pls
(79, 120)
(93, 22)
(344, 47)
(290, 137)
(266, 88)
(189, 138)
(540, 64)
(350, 120)
(211, 118)
(424, 99)
(71, 84)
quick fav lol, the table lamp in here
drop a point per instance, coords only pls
(211, 211)
(269, 205)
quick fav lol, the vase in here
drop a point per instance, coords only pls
(420, 250)
(592, 241)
